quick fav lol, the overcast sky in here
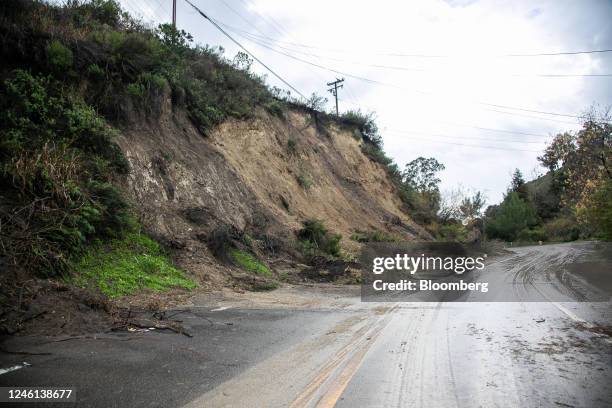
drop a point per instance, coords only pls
(454, 66)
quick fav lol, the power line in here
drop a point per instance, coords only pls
(494, 130)
(273, 43)
(161, 4)
(417, 55)
(245, 50)
(464, 137)
(271, 22)
(282, 32)
(479, 127)
(475, 146)
(516, 132)
(532, 116)
(240, 16)
(398, 87)
(548, 54)
(138, 10)
(361, 78)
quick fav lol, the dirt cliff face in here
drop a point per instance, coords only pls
(264, 175)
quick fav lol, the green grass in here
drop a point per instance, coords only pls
(129, 265)
(249, 262)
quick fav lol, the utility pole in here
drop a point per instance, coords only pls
(174, 14)
(334, 91)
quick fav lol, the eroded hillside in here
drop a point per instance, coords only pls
(263, 177)
(138, 165)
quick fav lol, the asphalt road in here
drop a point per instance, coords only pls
(322, 347)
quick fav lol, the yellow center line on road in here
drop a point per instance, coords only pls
(351, 354)
(331, 397)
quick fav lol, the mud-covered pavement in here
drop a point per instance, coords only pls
(321, 346)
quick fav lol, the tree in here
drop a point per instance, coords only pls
(584, 157)
(449, 205)
(581, 164)
(177, 40)
(421, 185)
(600, 212)
(513, 216)
(420, 174)
(316, 102)
(460, 205)
(518, 185)
(557, 152)
(471, 207)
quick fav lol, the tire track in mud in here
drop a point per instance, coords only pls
(427, 376)
(547, 266)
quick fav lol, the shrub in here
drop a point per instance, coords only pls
(59, 56)
(315, 237)
(304, 181)
(153, 82)
(135, 90)
(275, 107)
(94, 71)
(133, 54)
(376, 154)
(56, 159)
(532, 235)
(366, 124)
(216, 90)
(271, 243)
(316, 102)
(454, 232)
(266, 286)
(292, 146)
(148, 85)
(564, 228)
(247, 240)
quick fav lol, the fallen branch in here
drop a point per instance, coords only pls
(149, 324)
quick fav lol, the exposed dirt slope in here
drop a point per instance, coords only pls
(246, 174)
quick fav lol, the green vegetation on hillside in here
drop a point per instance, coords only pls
(249, 262)
(317, 239)
(120, 65)
(57, 162)
(124, 266)
(416, 185)
(68, 74)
